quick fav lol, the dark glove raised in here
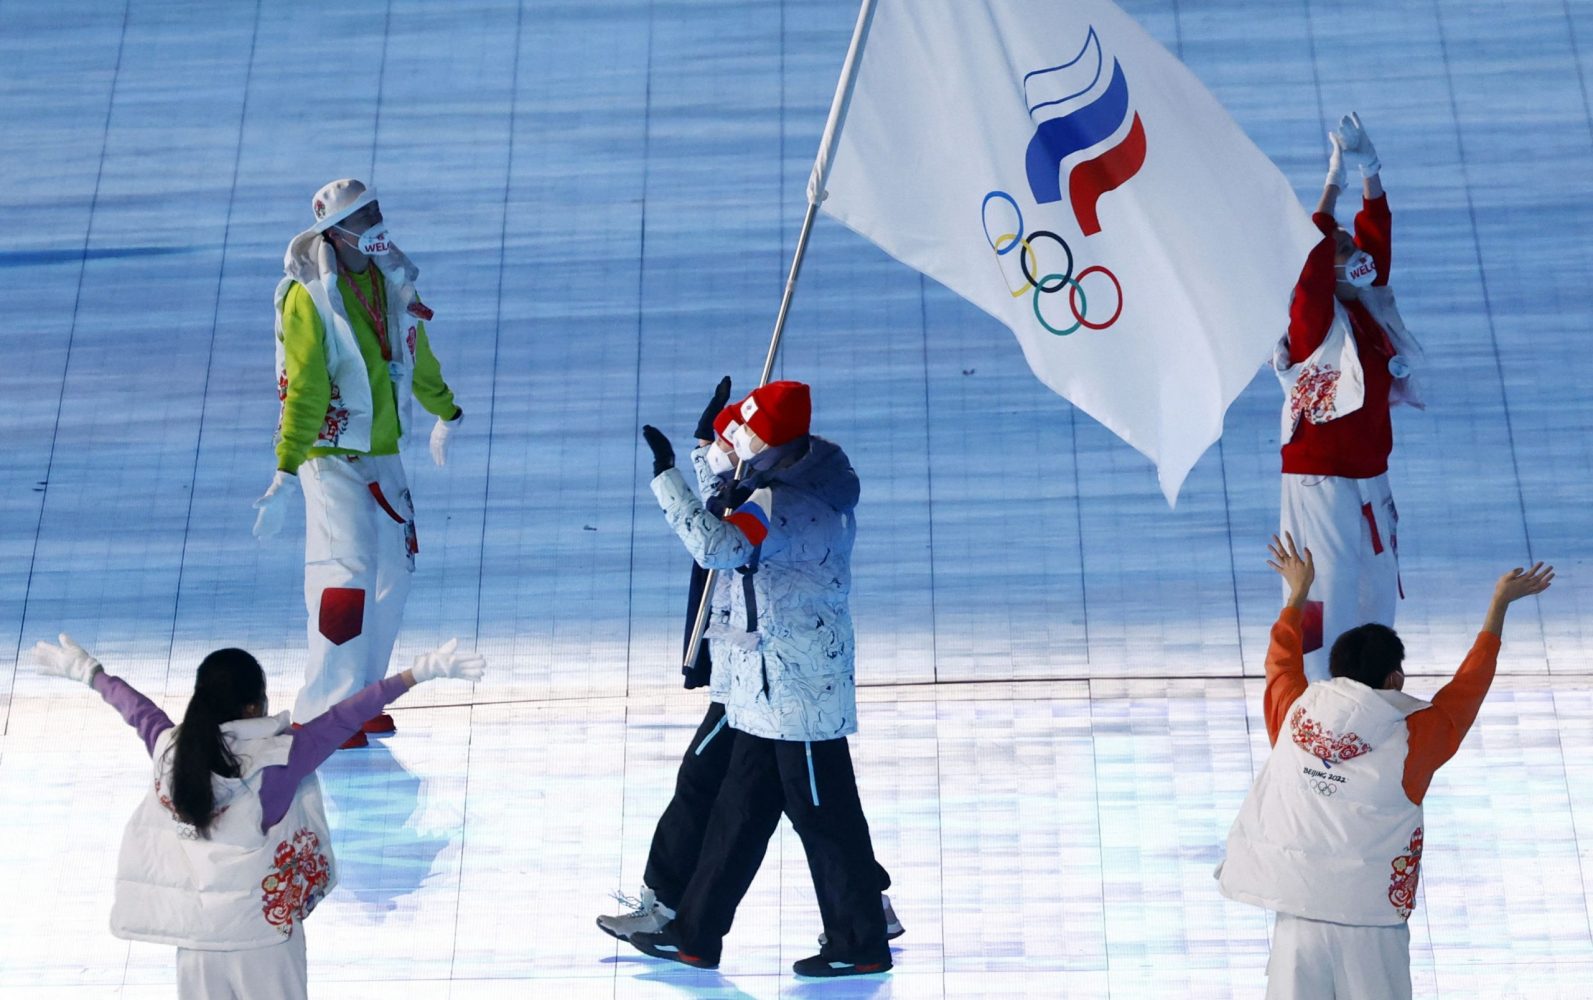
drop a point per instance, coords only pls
(705, 423)
(663, 451)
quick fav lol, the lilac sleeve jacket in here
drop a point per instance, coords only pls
(313, 742)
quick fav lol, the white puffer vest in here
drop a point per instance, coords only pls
(239, 888)
(1327, 832)
(1330, 383)
(311, 262)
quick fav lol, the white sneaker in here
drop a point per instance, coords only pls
(647, 916)
(893, 926)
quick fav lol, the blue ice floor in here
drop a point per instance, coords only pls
(1059, 721)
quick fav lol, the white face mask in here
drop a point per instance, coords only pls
(1360, 270)
(747, 444)
(374, 241)
(720, 462)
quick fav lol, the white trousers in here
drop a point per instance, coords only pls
(277, 972)
(359, 552)
(1316, 960)
(1352, 530)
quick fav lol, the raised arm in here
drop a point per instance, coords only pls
(1373, 223)
(713, 542)
(1334, 183)
(1286, 653)
(708, 480)
(73, 662)
(316, 740)
(1437, 732)
(136, 710)
(1311, 305)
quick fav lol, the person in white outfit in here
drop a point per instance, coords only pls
(1330, 836)
(1346, 359)
(229, 851)
(352, 352)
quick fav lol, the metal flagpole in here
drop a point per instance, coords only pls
(816, 182)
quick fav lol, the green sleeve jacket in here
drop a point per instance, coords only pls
(306, 388)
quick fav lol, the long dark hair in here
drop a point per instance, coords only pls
(228, 682)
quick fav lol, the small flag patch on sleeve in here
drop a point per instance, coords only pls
(752, 522)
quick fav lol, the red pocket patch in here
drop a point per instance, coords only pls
(342, 614)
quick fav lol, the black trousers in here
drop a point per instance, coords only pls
(813, 784)
(677, 840)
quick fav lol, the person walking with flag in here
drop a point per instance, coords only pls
(678, 837)
(1330, 836)
(783, 623)
(1346, 359)
(352, 352)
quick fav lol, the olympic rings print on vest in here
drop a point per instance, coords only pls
(1327, 832)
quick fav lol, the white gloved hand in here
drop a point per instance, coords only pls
(447, 661)
(1335, 174)
(273, 504)
(1352, 137)
(67, 660)
(439, 437)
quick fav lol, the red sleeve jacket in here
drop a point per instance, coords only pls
(1355, 446)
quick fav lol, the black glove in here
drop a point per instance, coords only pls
(705, 423)
(663, 452)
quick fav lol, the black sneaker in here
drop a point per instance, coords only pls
(664, 945)
(893, 924)
(827, 967)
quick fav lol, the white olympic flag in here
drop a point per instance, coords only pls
(1053, 164)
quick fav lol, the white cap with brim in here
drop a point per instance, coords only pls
(339, 200)
(310, 257)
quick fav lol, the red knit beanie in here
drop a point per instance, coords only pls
(726, 417)
(779, 412)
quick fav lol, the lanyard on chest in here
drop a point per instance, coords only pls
(375, 308)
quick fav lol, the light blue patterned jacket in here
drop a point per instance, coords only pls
(791, 678)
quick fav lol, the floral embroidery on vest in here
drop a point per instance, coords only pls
(336, 418)
(409, 340)
(1406, 873)
(1314, 395)
(1310, 736)
(298, 882)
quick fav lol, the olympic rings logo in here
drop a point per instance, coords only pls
(1051, 281)
(1323, 788)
